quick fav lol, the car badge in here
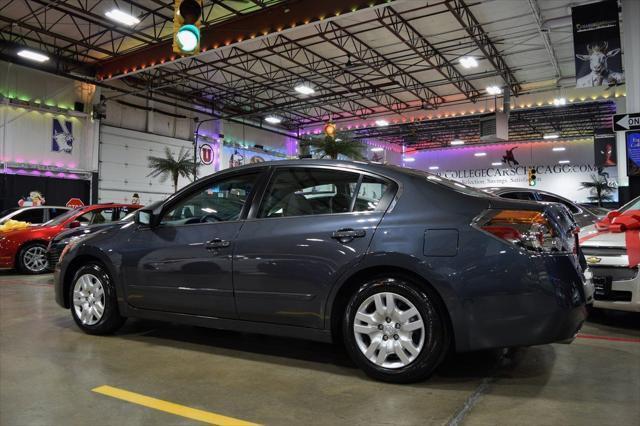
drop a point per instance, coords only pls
(592, 260)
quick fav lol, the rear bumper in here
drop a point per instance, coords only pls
(544, 303)
(619, 294)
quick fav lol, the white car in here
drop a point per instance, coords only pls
(613, 267)
(34, 215)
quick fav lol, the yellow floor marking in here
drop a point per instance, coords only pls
(170, 407)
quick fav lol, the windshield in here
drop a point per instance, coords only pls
(62, 218)
(631, 205)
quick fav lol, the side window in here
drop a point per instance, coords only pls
(370, 193)
(308, 191)
(221, 202)
(31, 216)
(552, 199)
(519, 195)
(122, 212)
(86, 218)
(102, 216)
(54, 212)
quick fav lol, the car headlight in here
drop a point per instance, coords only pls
(71, 243)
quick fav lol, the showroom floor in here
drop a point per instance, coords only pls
(48, 369)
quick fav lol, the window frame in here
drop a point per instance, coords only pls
(199, 186)
(384, 204)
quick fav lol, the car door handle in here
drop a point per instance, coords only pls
(217, 243)
(346, 235)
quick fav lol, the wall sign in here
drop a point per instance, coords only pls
(633, 153)
(206, 154)
(62, 136)
(622, 122)
(596, 44)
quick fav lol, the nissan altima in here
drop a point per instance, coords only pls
(399, 265)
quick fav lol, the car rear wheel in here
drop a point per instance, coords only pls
(32, 259)
(94, 306)
(395, 331)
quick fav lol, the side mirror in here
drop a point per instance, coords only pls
(144, 217)
(75, 224)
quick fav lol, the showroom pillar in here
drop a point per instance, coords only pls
(631, 63)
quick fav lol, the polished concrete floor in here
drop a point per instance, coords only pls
(48, 369)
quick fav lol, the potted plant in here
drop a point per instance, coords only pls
(332, 147)
(599, 189)
(182, 165)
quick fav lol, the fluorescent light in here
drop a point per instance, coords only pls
(34, 56)
(434, 168)
(559, 101)
(496, 164)
(457, 142)
(377, 149)
(468, 62)
(122, 17)
(304, 89)
(480, 154)
(551, 136)
(409, 159)
(494, 90)
(382, 123)
(272, 119)
(564, 162)
(559, 148)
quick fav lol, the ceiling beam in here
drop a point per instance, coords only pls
(260, 22)
(403, 30)
(463, 15)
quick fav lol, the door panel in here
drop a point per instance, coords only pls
(285, 267)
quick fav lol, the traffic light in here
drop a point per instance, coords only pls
(531, 173)
(186, 26)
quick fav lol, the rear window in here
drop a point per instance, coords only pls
(451, 184)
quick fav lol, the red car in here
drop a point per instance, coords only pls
(26, 249)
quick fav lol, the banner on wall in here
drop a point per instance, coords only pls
(604, 145)
(232, 156)
(62, 136)
(633, 153)
(596, 44)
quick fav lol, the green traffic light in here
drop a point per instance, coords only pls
(187, 38)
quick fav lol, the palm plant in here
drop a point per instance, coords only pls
(182, 165)
(332, 147)
(599, 189)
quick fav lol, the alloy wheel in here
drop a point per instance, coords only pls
(88, 299)
(389, 330)
(35, 259)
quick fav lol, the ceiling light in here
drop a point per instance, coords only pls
(559, 101)
(122, 17)
(338, 140)
(468, 62)
(34, 56)
(564, 162)
(457, 142)
(434, 167)
(559, 148)
(377, 149)
(496, 164)
(382, 123)
(409, 159)
(551, 136)
(480, 154)
(304, 89)
(494, 90)
(272, 119)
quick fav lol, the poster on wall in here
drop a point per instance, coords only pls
(596, 44)
(633, 153)
(233, 156)
(604, 144)
(62, 136)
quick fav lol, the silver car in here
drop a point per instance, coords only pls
(34, 215)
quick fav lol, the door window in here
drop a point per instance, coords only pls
(370, 193)
(301, 192)
(31, 216)
(85, 219)
(222, 201)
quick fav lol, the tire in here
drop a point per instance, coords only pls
(92, 296)
(410, 353)
(32, 259)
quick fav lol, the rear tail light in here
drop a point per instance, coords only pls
(528, 229)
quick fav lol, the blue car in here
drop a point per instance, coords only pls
(399, 265)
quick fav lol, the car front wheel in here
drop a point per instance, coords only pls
(94, 305)
(32, 259)
(395, 330)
